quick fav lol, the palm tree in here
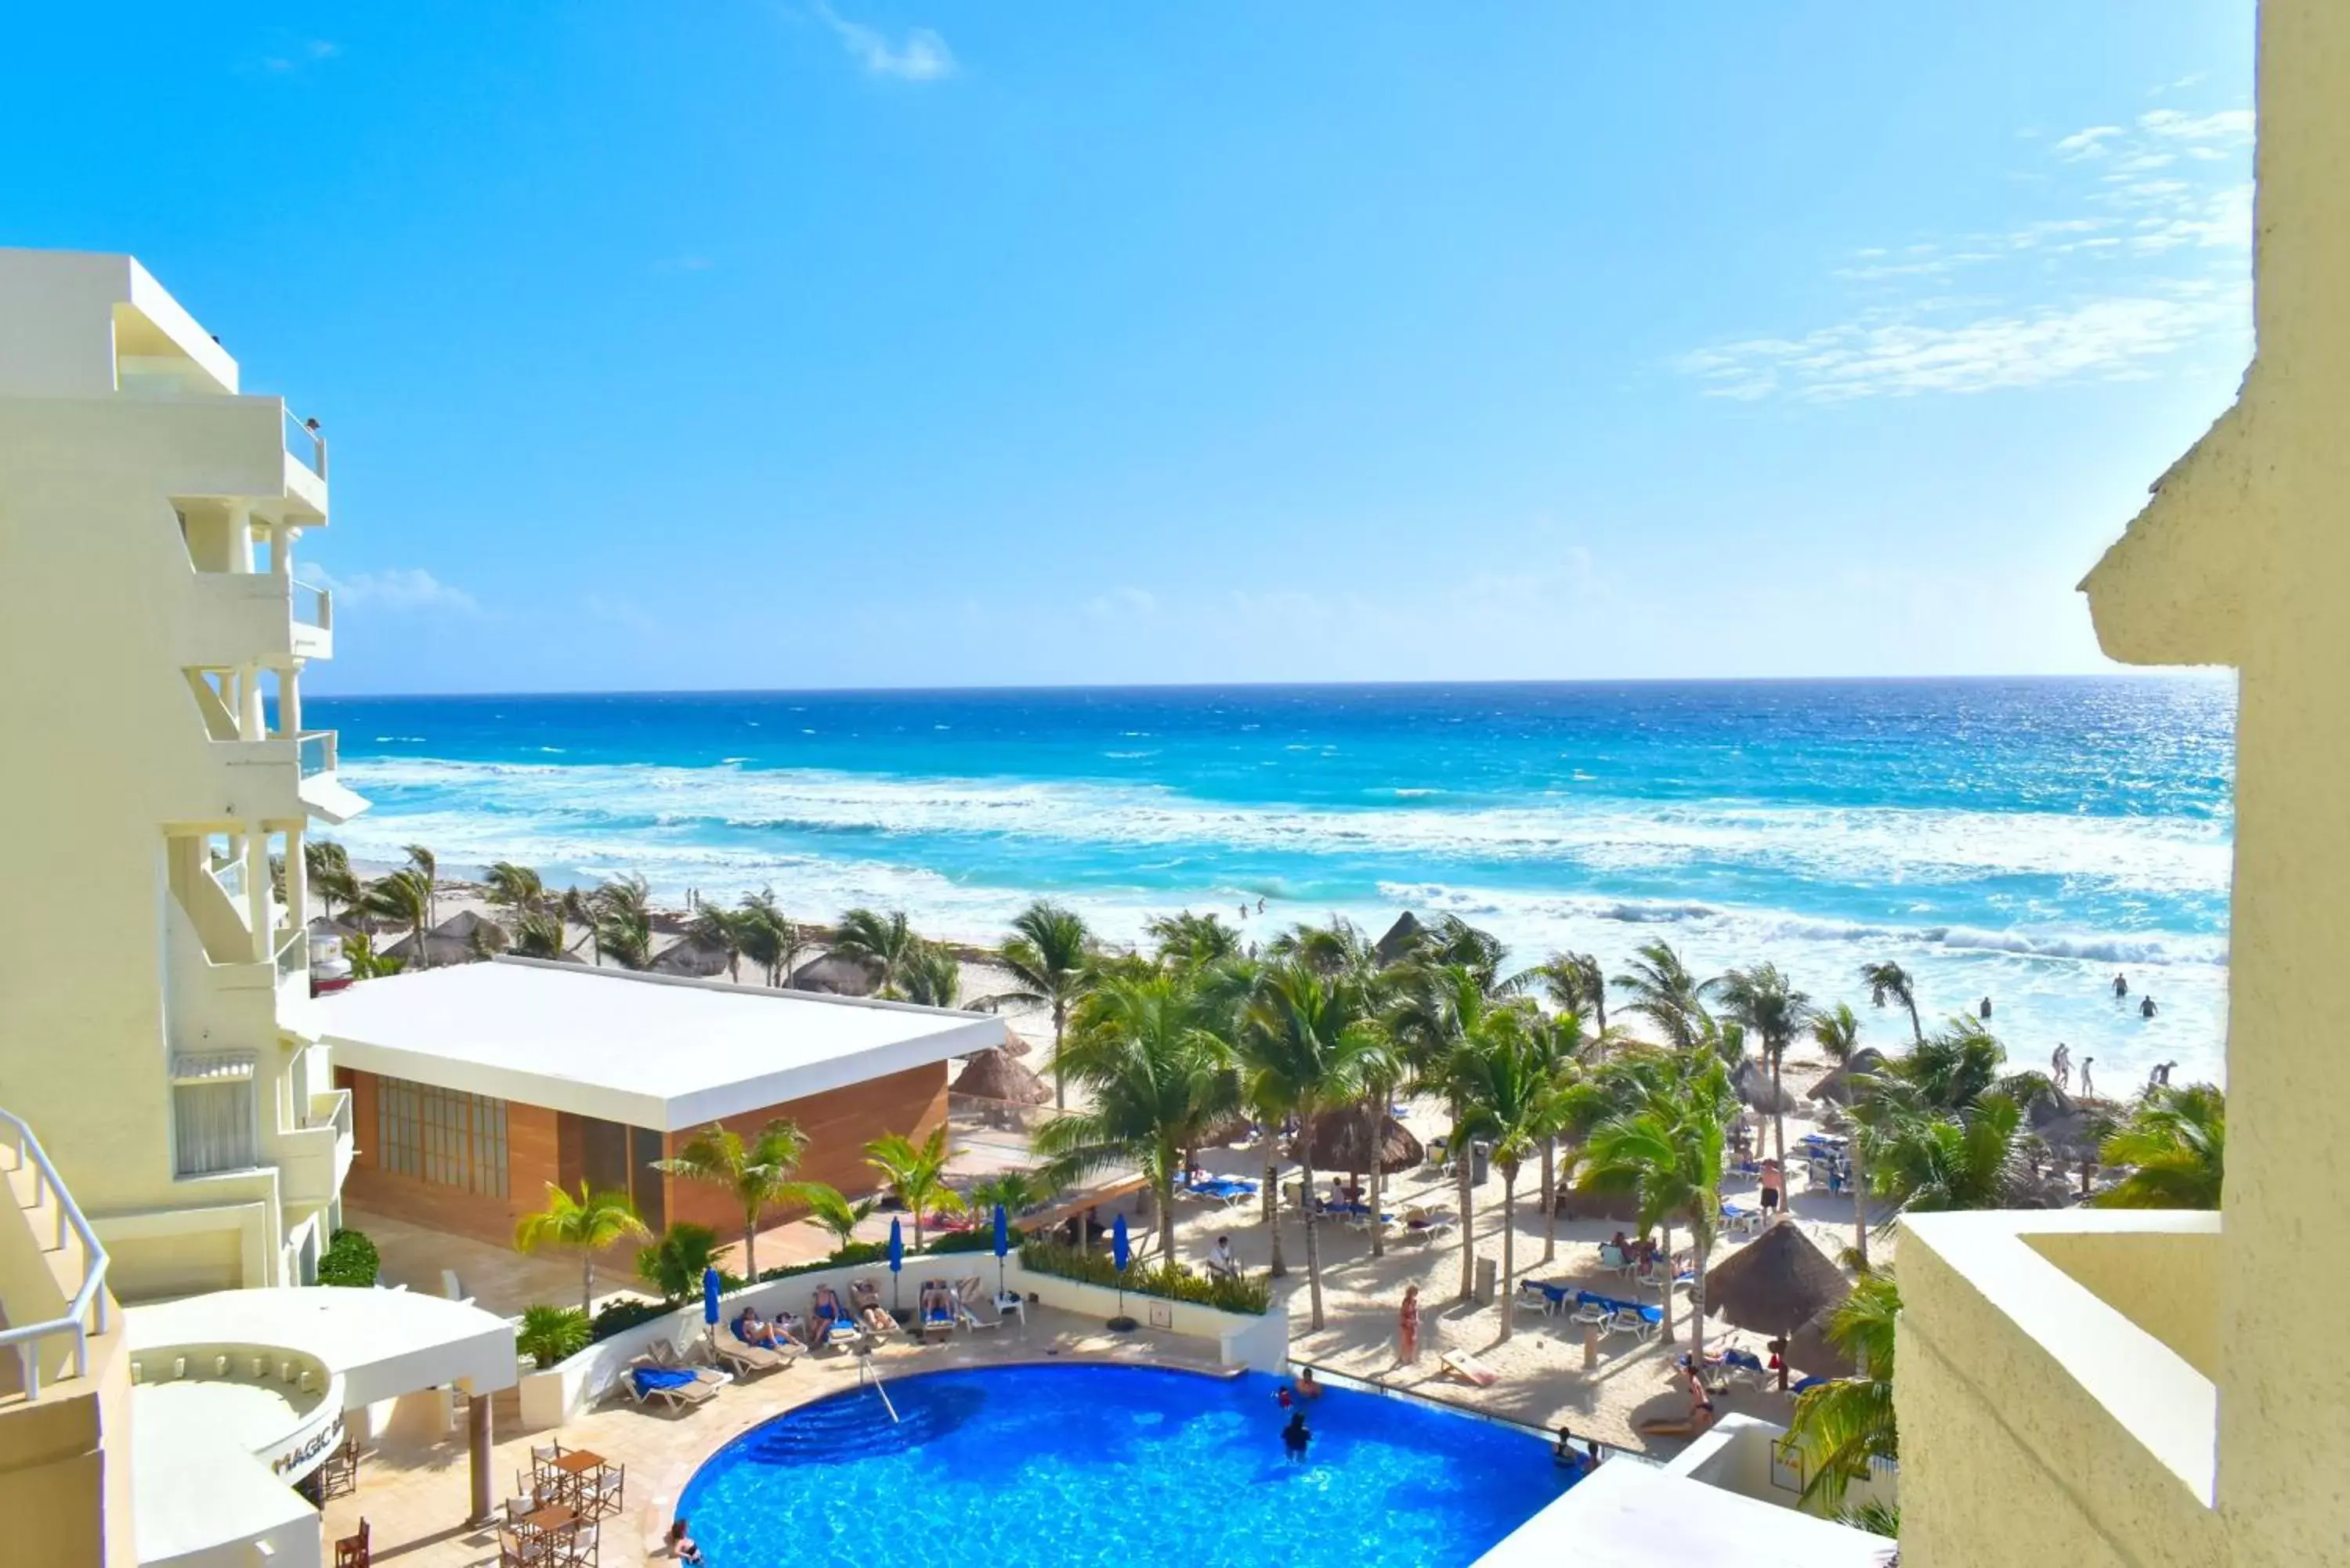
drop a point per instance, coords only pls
(1665, 993)
(1888, 981)
(358, 950)
(715, 926)
(1762, 1001)
(933, 976)
(831, 1209)
(1303, 1039)
(1434, 1011)
(329, 868)
(1191, 942)
(2175, 1144)
(1837, 1031)
(623, 921)
(1933, 1160)
(1570, 982)
(404, 899)
(1511, 1096)
(578, 909)
(916, 1173)
(422, 862)
(1844, 1423)
(585, 1224)
(768, 937)
(1667, 1155)
(1012, 1190)
(1050, 955)
(886, 941)
(538, 934)
(516, 888)
(674, 1264)
(1156, 1076)
(757, 1173)
(1339, 947)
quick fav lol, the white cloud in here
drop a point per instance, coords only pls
(921, 56)
(398, 588)
(300, 56)
(1896, 354)
(2099, 292)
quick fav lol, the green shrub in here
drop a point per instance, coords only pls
(550, 1335)
(674, 1264)
(350, 1260)
(980, 1238)
(1170, 1282)
(616, 1316)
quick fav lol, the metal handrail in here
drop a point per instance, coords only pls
(87, 1312)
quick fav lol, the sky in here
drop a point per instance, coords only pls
(780, 343)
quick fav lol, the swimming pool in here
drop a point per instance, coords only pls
(1087, 1466)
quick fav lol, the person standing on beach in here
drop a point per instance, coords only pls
(2061, 1065)
(1986, 1008)
(1407, 1328)
(2121, 985)
(2088, 1091)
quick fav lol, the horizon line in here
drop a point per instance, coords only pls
(2122, 672)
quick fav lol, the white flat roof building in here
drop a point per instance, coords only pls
(648, 1051)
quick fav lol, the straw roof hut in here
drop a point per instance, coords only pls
(1340, 1144)
(994, 1076)
(1811, 1351)
(1836, 1088)
(692, 956)
(1013, 1045)
(1622, 1207)
(461, 937)
(838, 974)
(1753, 1082)
(1775, 1285)
(1400, 938)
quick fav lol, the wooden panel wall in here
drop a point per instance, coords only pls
(530, 1165)
(838, 1125)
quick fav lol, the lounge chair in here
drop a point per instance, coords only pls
(840, 1329)
(864, 1296)
(742, 1356)
(675, 1386)
(1634, 1321)
(1745, 1364)
(1591, 1309)
(1468, 1368)
(969, 1294)
(1531, 1294)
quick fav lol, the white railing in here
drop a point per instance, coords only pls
(86, 1314)
(313, 606)
(317, 753)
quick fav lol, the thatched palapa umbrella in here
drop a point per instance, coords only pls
(838, 974)
(692, 956)
(1399, 939)
(1815, 1353)
(1013, 1045)
(1340, 1144)
(461, 938)
(1836, 1088)
(1775, 1285)
(993, 1076)
(1753, 1082)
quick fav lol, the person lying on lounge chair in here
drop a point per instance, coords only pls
(870, 1317)
(937, 1306)
(752, 1329)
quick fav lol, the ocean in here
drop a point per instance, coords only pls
(2020, 839)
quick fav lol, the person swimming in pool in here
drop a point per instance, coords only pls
(1295, 1436)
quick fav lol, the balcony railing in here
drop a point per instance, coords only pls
(85, 1313)
(313, 606)
(317, 752)
(305, 443)
(230, 874)
(292, 952)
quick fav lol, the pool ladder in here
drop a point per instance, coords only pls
(865, 1374)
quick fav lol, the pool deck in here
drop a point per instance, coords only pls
(412, 1487)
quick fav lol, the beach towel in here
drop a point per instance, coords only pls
(651, 1378)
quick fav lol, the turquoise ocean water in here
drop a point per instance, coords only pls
(2021, 839)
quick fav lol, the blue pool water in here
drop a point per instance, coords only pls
(1112, 1467)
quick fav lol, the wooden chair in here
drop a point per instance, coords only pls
(351, 1551)
(340, 1476)
(605, 1500)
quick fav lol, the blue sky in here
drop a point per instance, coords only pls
(749, 344)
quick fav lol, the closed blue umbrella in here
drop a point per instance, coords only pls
(897, 1259)
(1002, 1245)
(1122, 1253)
(710, 1301)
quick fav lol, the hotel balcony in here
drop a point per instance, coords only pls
(247, 618)
(2063, 1362)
